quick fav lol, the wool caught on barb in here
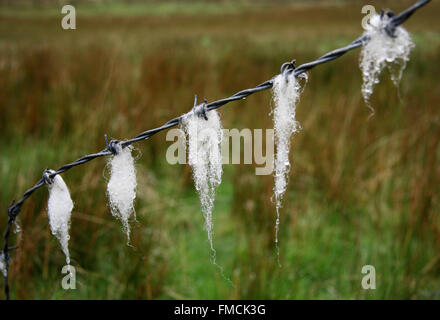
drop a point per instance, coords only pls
(59, 208)
(121, 187)
(286, 93)
(204, 139)
(17, 226)
(3, 264)
(383, 50)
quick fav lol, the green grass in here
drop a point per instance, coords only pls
(361, 192)
(117, 8)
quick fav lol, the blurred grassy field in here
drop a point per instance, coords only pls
(361, 192)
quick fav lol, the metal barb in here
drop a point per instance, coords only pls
(11, 209)
(390, 28)
(200, 110)
(287, 68)
(48, 176)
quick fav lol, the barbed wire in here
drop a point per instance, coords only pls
(15, 207)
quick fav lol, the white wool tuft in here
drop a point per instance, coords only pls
(121, 187)
(3, 265)
(17, 226)
(59, 208)
(204, 157)
(381, 51)
(286, 93)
